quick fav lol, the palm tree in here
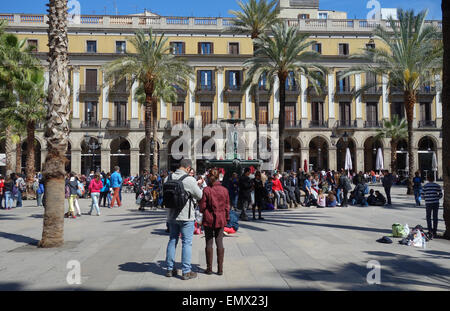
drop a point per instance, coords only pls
(255, 18)
(396, 130)
(411, 55)
(446, 114)
(15, 60)
(277, 57)
(156, 71)
(26, 113)
(57, 125)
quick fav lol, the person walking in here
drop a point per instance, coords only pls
(2, 191)
(8, 188)
(40, 192)
(182, 222)
(95, 186)
(417, 182)
(21, 188)
(261, 195)
(432, 195)
(245, 190)
(215, 207)
(105, 193)
(388, 181)
(72, 184)
(345, 186)
(116, 183)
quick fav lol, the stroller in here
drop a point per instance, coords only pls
(145, 199)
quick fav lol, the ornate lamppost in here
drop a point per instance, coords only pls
(93, 147)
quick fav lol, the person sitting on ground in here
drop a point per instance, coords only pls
(372, 199)
(359, 194)
(381, 200)
(331, 199)
(321, 199)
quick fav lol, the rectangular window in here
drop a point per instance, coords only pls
(372, 114)
(263, 81)
(345, 113)
(343, 85)
(290, 82)
(121, 47)
(120, 112)
(317, 113)
(323, 15)
(234, 79)
(91, 80)
(178, 113)
(317, 47)
(90, 113)
(91, 46)
(290, 114)
(236, 107)
(397, 108)
(205, 79)
(205, 48)
(33, 44)
(206, 113)
(263, 113)
(177, 48)
(303, 16)
(344, 49)
(233, 48)
(425, 111)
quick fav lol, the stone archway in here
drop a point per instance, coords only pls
(371, 146)
(341, 151)
(120, 155)
(318, 154)
(427, 148)
(142, 155)
(292, 150)
(207, 146)
(90, 159)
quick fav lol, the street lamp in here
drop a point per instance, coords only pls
(93, 147)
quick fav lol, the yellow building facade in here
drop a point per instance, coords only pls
(314, 122)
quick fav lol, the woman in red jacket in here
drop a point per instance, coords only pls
(95, 186)
(277, 188)
(215, 207)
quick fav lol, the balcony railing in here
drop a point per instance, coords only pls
(90, 89)
(427, 90)
(372, 124)
(118, 124)
(234, 89)
(427, 124)
(318, 124)
(292, 90)
(119, 91)
(323, 91)
(179, 22)
(90, 124)
(346, 124)
(293, 124)
(206, 89)
(344, 91)
(374, 91)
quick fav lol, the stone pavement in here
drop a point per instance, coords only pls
(299, 249)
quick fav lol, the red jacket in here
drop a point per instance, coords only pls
(2, 185)
(215, 206)
(276, 185)
(95, 186)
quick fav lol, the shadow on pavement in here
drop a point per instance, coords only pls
(18, 238)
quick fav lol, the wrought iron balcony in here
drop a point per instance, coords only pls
(206, 89)
(234, 89)
(292, 90)
(427, 124)
(90, 89)
(372, 124)
(293, 124)
(90, 124)
(344, 91)
(427, 90)
(118, 124)
(318, 124)
(374, 91)
(119, 92)
(346, 124)
(323, 91)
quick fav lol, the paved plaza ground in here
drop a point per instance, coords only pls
(299, 249)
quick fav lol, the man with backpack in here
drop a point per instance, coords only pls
(21, 187)
(345, 186)
(180, 190)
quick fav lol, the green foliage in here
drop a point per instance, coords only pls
(395, 129)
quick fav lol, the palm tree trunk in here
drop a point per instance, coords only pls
(148, 133)
(410, 101)
(19, 157)
(257, 122)
(30, 169)
(9, 150)
(281, 121)
(155, 135)
(446, 114)
(57, 128)
(393, 156)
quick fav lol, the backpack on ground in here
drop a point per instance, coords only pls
(174, 194)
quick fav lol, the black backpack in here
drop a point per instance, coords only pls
(174, 195)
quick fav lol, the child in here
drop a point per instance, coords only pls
(331, 200)
(321, 199)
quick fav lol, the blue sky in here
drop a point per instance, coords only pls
(209, 8)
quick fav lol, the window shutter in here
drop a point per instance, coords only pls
(212, 47)
(183, 44)
(227, 78)
(199, 48)
(213, 79)
(199, 79)
(241, 78)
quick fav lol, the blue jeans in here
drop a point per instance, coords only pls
(39, 199)
(19, 199)
(418, 196)
(374, 179)
(95, 196)
(9, 200)
(186, 228)
(338, 196)
(432, 210)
